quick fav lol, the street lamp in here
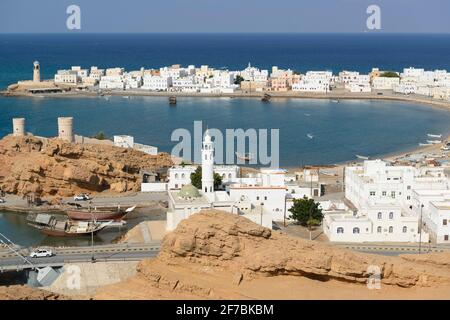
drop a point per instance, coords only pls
(420, 226)
(92, 237)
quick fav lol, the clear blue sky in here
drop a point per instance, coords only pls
(45, 16)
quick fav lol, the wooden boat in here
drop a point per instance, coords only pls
(172, 100)
(245, 156)
(266, 97)
(98, 214)
(49, 225)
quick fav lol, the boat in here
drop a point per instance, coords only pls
(335, 101)
(434, 135)
(434, 141)
(245, 156)
(98, 213)
(362, 157)
(307, 115)
(425, 144)
(126, 97)
(309, 135)
(266, 97)
(50, 225)
(172, 100)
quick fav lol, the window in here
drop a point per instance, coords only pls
(340, 230)
(379, 229)
(408, 197)
(384, 193)
(265, 198)
(257, 198)
(393, 194)
(380, 216)
(391, 215)
(229, 176)
(408, 187)
(355, 230)
(405, 229)
(176, 175)
(391, 229)
(183, 175)
(444, 222)
(446, 237)
(372, 193)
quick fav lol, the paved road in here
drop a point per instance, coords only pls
(82, 254)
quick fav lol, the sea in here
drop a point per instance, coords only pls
(340, 130)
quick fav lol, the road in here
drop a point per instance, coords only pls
(11, 261)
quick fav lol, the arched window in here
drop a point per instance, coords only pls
(229, 176)
(176, 175)
(340, 230)
(391, 229)
(380, 215)
(391, 215)
(223, 176)
(405, 229)
(356, 230)
(379, 229)
(182, 175)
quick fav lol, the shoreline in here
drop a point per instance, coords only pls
(338, 94)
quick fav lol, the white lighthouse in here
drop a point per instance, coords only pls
(208, 166)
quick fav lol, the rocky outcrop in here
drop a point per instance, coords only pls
(18, 292)
(214, 254)
(57, 168)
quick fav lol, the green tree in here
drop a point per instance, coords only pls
(238, 80)
(306, 212)
(390, 74)
(196, 178)
(99, 136)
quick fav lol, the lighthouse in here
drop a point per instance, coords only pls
(36, 72)
(208, 166)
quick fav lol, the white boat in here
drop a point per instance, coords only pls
(434, 141)
(335, 101)
(434, 135)
(309, 135)
(425, 144)
(362, 157)
(307, 114)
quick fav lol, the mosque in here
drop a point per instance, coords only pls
(262, 198)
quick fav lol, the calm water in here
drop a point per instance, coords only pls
(341, 130)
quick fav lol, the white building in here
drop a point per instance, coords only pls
(125, 141)
(385, 83)
(314, 81)
(387, 201)
(156, 83)
(112, 82)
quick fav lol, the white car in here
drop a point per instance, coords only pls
(81, 197)
(41, 253)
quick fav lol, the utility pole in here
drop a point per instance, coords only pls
(92, 238)
(420, 226)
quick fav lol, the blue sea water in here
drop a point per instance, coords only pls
(300, 52)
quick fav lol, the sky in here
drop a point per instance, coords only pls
(156, 16)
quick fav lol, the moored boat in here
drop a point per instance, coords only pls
(362, 157)
(309, 135)
(98, 214)
(49, 225)
(434, 135)
(434, 141)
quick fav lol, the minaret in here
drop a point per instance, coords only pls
(36, 72)
(208, 165)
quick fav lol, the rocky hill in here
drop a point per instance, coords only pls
(52, 167)
(217, 255)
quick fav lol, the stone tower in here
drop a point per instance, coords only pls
(18, 127)
(36, 72)
(65, 129)
(208, 165)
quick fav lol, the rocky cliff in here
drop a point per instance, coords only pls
(218, 255)
(57, 168)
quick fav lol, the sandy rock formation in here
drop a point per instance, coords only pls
(18, 292)
(57, 168)
(218, 255)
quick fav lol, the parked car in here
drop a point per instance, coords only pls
(81, 197)
(41, 253)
